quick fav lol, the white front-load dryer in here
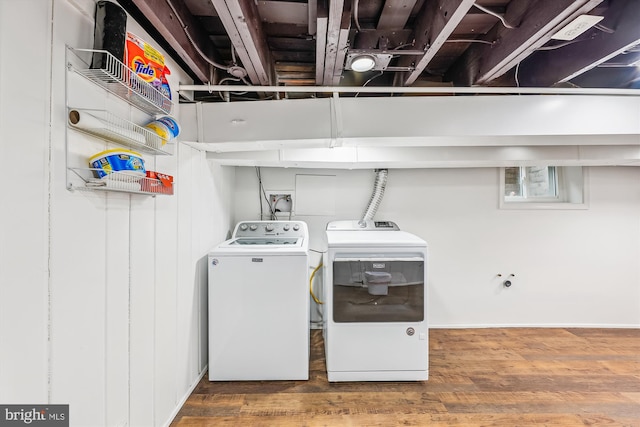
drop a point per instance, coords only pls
(375, 298)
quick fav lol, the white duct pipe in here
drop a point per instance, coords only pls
(376, 196)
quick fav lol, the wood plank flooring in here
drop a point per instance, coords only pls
(477, 377)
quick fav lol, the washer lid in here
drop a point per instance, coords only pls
(264, 245)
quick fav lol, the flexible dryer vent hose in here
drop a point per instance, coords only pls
(376, 196)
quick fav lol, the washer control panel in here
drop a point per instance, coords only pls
(270, 228)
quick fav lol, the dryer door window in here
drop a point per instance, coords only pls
(378, 290)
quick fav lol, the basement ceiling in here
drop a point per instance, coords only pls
(450, 43)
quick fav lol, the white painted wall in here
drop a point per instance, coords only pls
(102, 295)
(572, 267)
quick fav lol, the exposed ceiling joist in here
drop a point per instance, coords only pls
(322, 20)
(334, 28)
(395, 14)
(341, 52)
(312, 10)
(160, 15)
(437, 21)
(546, 68)
(242, 22)
(534, 24)
(457, 43)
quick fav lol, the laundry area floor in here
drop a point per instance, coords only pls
(489, 377)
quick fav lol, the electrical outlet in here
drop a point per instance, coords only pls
(281, 201)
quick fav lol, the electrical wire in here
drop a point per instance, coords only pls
(559, 45)
(311, 284)
(193, 43)
(367, 82)
(552, 47)
(275, 205)
(355, 14)
(604, 29)
(272, 214)
(469, 41)
(233, 79)
(497, 15)
(403, 45)
(259, 186)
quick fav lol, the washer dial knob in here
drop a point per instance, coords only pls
(285, 227)
(268, 227)
(253, 227)
(296, 227)
(244, 227)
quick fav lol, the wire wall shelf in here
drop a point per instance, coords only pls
(125, 182)
(118, 79)
(112, 128)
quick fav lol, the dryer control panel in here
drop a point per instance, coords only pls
(271, 228)
(362, 225)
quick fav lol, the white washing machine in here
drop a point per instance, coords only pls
(259, 303)
(375, 303)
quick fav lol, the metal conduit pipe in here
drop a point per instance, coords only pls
(376, 197)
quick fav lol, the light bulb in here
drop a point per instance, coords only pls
(363, 63)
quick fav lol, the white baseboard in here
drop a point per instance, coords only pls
(535, 325)
(185, 397)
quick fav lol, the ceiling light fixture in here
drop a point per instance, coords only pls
(576, 27)
(363, 63)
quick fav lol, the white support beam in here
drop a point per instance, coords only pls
(433, 157)
(420, 141)
(406, 118)
(421, 131)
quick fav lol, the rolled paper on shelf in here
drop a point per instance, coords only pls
(90, 123)
(85, 121)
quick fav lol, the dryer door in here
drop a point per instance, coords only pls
(378, 290)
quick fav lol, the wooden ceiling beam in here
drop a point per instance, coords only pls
(535, 24)
(546, 68)
(395, 14)
(435, 24)
(343, 44)
(334, 29)
(243, 25)
(160, 16)
(322, 20)
(312, 10)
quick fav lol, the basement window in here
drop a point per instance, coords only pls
(542, 187)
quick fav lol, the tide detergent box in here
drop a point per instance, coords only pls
(145, 60)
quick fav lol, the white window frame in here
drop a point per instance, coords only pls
(572, 191)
